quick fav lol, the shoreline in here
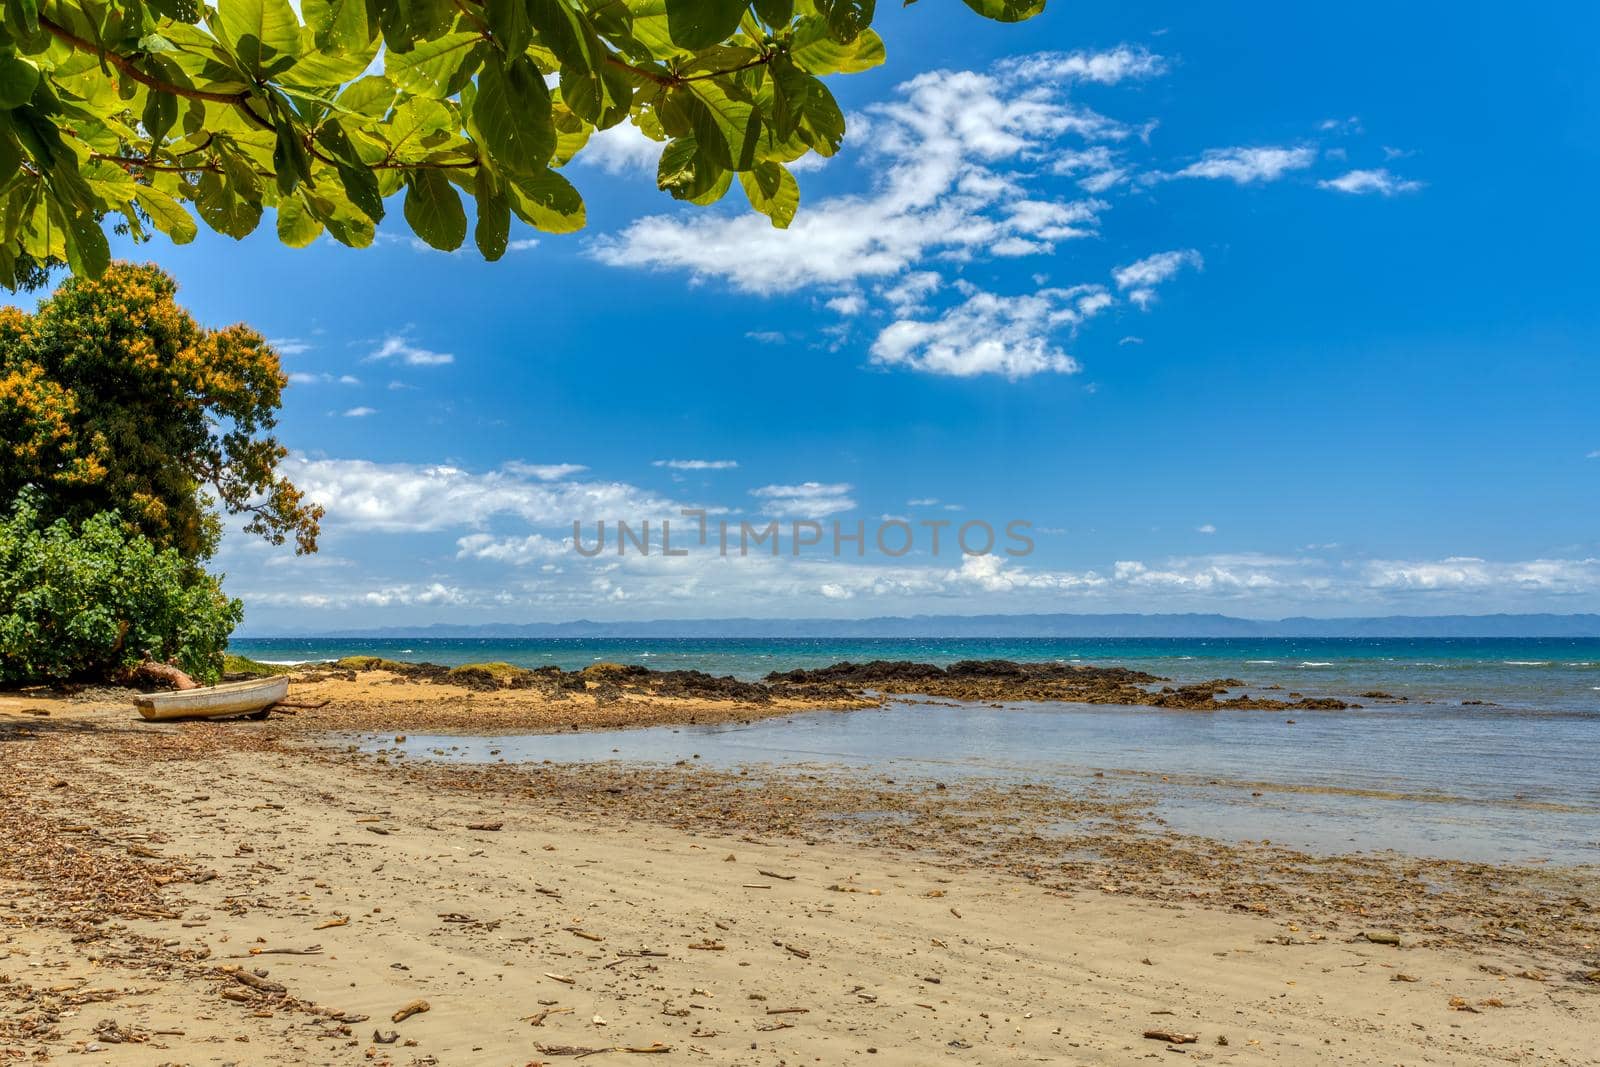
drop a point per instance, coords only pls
(920, 918)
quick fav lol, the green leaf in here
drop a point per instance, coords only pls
(1006, 10)
(772, 191)
(728, 129)
(548, 202)
(87, 249)
(428, 68)
(291, 163)
(224, 209)
(512, 113)
(188, 11)
(10, 152)
(821, 122)
(159, 116)
(824, 55)
(433, 208)
(686, 171)
(263, 34)
(167, 214)
(297, 227)
(339, 26)
(18, 78)
(696, 24)
(775, 13)
(508, 22)
(846, 18)
(493, 230)
(360, 184)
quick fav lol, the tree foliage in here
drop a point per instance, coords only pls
(86, 600)
(113, 398)
(145, 108)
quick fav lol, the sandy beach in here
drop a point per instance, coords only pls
(264, 893)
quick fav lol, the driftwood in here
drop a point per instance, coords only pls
(416, 1007)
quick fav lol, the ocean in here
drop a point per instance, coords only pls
(1491, 758)
(1540, 674)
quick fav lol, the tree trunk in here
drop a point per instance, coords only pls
(164, 673)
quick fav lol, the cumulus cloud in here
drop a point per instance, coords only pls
(1468, 573)
(950, 151)
(622, 149)
(697, 464)
(404, 497)
(307, 378)
(1140, 278)
(808, 500)
(990, 334)
(1365, 182)
(1245, 166)
(399, 349)
(359, 412)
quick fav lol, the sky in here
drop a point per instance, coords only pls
(1254, 308)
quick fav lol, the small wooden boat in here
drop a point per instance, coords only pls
(253, 698)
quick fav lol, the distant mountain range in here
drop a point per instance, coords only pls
(1061, 625)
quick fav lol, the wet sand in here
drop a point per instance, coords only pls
(258, 893)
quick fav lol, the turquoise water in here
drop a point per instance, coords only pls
(1532, 673)
(1453, 782)
(1513, 779)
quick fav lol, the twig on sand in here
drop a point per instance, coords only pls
(1172, 1037)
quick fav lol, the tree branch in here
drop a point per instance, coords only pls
(131, 69)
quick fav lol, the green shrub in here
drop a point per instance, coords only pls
(244, 667)
(83, 601)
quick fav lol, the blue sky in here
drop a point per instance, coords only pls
(1250, 308)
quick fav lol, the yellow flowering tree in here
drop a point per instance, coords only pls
(113, 398)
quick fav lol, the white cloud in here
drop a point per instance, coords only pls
(513, 551)
(403, 497)
(359, 412)
(923, 502)
(1206, 528)
(398, 347)
(545, 472)
(306, 378)
(522, 244)
(847, 304)
(1470, 574)
(1247, 165)
(1380, 181)
(1105, 68)
(697, 464)
(433, 594)
(767, 337)
(990, 334)
(808, 500)
(1140, 278)
(622, 149)
(289, 346)
(1594, 455)
(950, 152)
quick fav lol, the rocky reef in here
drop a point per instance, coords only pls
(853, 683)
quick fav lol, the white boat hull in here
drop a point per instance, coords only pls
(214, 701)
